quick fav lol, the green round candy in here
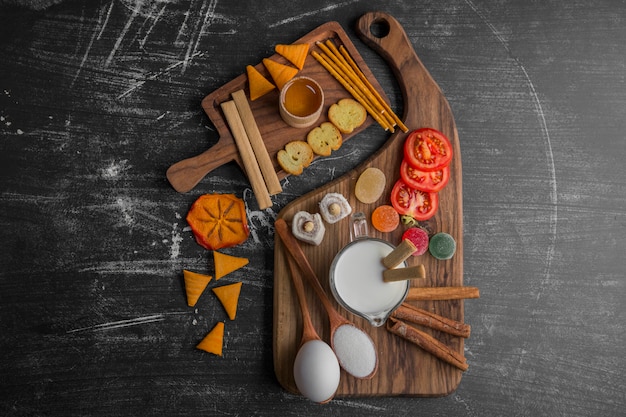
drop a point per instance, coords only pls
(442, 246)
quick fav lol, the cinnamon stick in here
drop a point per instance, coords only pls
(441, 293)
(250, 163)
(434, 321)
(427, 342)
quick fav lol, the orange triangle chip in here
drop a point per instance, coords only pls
(225, 264)
(195, 284)
(214, 341)
(295, 53)
(229, 297)
(280, 73)
(257, 83)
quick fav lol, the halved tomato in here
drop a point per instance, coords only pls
(418, 204)
(429, 181)
(427, 149)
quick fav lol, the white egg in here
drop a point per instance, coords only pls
(316, 371)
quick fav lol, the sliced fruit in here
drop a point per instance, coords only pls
(218, 221)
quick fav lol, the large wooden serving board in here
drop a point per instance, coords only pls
(404, 369)
(184, 175)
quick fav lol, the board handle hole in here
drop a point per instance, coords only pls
(380, 28)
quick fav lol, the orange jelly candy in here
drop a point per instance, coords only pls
(385, 219)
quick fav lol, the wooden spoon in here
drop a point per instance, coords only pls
(308, 330)
(336, 319)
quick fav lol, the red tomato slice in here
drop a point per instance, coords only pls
(411, 202)
(429, 181)
(427, 149)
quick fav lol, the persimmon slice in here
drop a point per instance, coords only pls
(218, 221)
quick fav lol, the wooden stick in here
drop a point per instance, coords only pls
(256, 140)
(362, 76)
(329, 67)
(402, 274)
(357, 81)
(250, 163)
(427, 342)
(405, 249)
(341, 66)
(434, 321)
(441, 293)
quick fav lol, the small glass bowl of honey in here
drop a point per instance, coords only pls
(301, 102)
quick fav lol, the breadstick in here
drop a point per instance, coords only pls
(362, 76)
(329, 67)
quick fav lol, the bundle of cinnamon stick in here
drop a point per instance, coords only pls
(397, 323)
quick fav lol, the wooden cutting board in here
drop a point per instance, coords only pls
(185, 175)
(404, 369)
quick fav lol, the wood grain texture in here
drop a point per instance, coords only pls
(98, 99)
(402, 370)
(184, 175)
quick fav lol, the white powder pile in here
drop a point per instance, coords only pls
(355, 351)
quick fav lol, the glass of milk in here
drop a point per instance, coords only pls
(356, 276)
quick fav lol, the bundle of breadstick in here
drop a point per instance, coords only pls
(341, 65)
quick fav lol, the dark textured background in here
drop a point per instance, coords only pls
(98, 98)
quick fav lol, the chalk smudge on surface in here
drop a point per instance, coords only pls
(142, 18)
(549, 154)
(176, 240)
(158, 74)
(163, 268)
(113, 325)
(115, 169)
(311, 13)
(258, 219)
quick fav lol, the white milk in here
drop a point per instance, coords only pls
(358, 278)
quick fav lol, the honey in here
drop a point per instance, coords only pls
(302, 97)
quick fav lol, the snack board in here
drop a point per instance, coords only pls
(404, 369)
(184, 175)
